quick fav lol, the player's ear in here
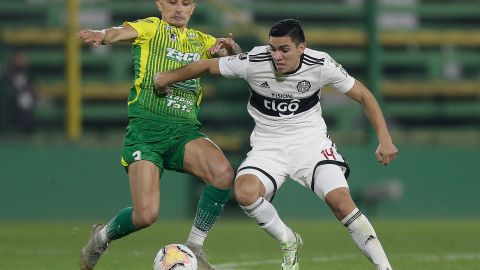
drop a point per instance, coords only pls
(301, 47)
(159, 4)
(194, 5)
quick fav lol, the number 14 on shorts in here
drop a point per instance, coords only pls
(329, 154)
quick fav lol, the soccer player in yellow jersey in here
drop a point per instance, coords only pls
(163, 131)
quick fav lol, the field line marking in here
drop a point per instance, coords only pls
(426, 257)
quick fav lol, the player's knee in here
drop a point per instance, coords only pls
(340, 202)
(223, 177)
(145, 218)
(343, 208)
(246, 194)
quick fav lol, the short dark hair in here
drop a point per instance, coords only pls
(288, 28)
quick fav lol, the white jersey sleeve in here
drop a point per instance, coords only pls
(234, 66)
(337, 76)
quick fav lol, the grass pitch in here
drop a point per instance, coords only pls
(238, 244)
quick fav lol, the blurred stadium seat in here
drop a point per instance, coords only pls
(430, 74)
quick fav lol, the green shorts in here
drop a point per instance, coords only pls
(160, 143)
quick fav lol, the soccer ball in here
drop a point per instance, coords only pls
(175, 257)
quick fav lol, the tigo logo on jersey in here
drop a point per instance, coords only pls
(178, 56)
(283, 108)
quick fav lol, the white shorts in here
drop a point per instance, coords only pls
(312, 161)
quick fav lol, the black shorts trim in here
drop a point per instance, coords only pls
(267, 175)
(334, 162)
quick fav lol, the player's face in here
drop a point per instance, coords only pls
(285, 53)
(176, 12)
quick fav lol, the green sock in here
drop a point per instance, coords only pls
(121, 225)
(210, 207)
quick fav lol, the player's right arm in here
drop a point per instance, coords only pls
(187, 72)
(230, 67)
(124, 33)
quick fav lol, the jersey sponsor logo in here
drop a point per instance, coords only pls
(243, 56)
(179, 103)
(335, 64)
(303, 86)
(283, 108)
(281, 95)
(180, 57)
(265, 85)
(280, 106)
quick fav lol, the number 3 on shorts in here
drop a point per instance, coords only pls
(137, 155)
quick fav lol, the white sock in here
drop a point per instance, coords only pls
(263, 212)
(366, 239)
(104, 236)
(196, 237)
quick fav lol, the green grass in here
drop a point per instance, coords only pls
(238, 244)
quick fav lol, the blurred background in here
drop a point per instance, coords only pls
(63, 108)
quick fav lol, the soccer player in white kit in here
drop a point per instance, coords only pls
(290, 136)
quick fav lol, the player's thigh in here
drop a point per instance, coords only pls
(204, 159)
(340, 202)
(320, 167)
(142, 142)
(327, 178)
(144, 177)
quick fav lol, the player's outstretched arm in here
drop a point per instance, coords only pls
(386, 151)
(225, 46)
(123, 33)
(187, 72)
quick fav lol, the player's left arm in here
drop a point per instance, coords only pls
(187, 72)
(386, 151)
(225, 46)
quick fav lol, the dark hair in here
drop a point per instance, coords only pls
(288, 28)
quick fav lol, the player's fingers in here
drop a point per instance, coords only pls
(391, 157)
(215, 46)
(382, 158)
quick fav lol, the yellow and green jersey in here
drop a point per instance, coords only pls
(162, 47)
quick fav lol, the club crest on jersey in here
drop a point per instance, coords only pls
(173, 37)
(191, 35)
(303, 86)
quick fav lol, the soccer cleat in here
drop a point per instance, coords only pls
(92, 251)
(202, 260)
(290, 253)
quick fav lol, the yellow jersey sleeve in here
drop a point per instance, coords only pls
(208, 40)
(146, 29)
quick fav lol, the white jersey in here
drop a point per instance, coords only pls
(285, 105)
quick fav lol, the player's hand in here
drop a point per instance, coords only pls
(161, 88)
(94, 37)
(386, 152)
(223, 46)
